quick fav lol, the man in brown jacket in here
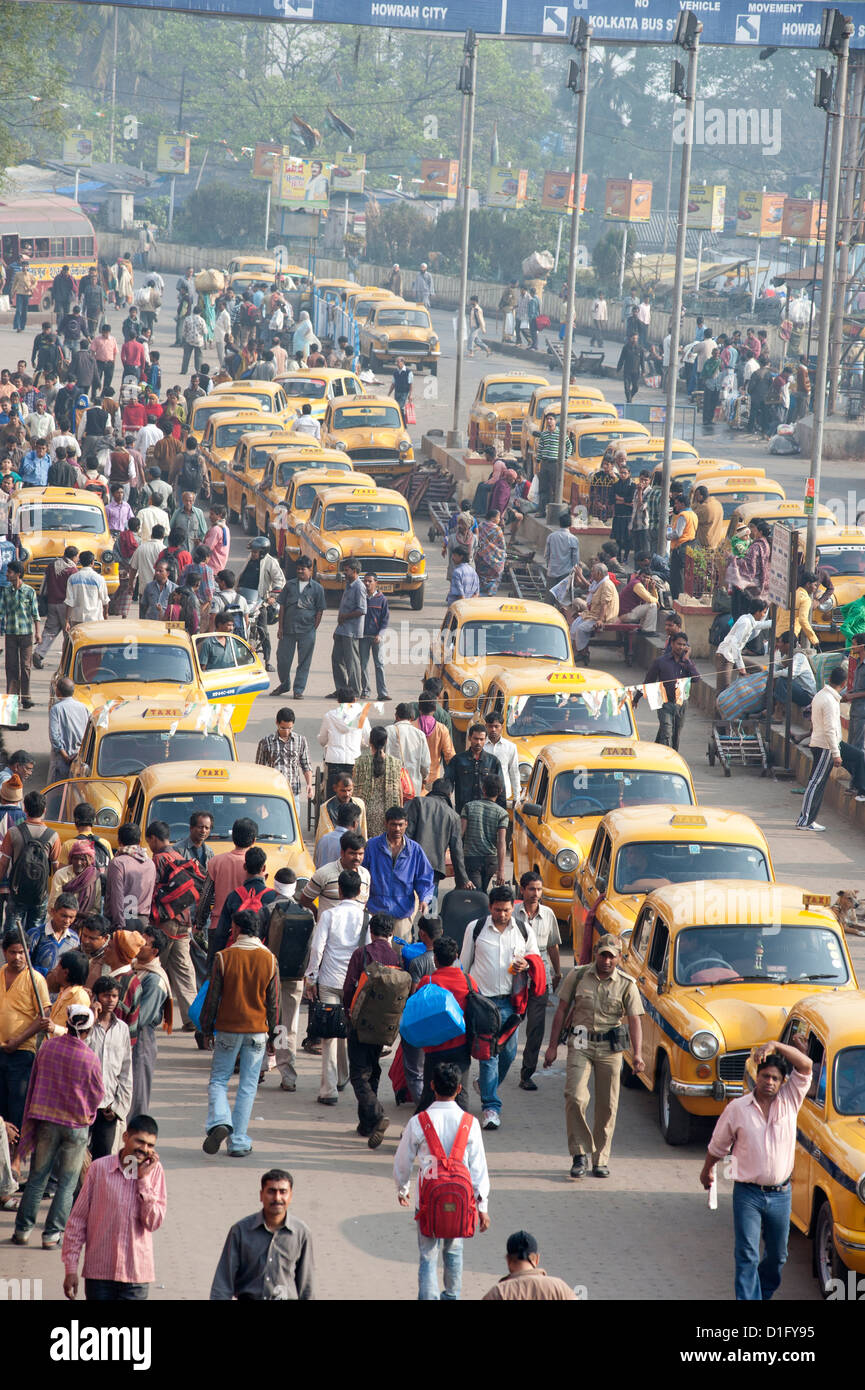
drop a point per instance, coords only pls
(710, 519)
(602, 607)
(239, 1015)
(525, 1281)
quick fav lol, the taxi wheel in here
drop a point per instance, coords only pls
(674, 1120)
(826, 1262)
(416, 599)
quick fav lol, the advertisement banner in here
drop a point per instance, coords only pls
(759, 214)
(264, 159)
(804, 220)
(347, 175)
(439, 178)
(628, 200)
(301, 183)
(706, 203)
(557, 194)
(507, 187)
(78, 148)
(172, 154)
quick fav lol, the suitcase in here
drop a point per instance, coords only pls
(743, 697)
(431, 1016)
(459, 907)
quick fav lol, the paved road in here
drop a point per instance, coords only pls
(611, 1237)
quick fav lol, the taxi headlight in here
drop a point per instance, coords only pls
(433, 344)
(860, 1188)
(491, 417)
(704, 1046)
(525, 771)
(340, 444)
(566, 861)
(331, 555)
(404, 446)
(415, 556)
(470, 689)
(108, 557)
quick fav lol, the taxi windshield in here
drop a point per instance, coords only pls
(565, 712)
(133, 662)
(305, 494)
(204, 413)
(309, 387)
(848, 1087)
(594, 791)
(509, 392)
(288, 467)
(367, 417)
(402, 318)
(593, 445)
(481, 640)
(272, 814)
(842, 559)
(366, 516)
(123, 753)
(731, 500)
(649, 864)
(264, 398)
(759, 954)
(60, 517)
(259, 455)
(224, 436)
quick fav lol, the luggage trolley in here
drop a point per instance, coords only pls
(737, 742)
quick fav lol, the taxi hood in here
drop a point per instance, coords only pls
(849, 1133)
(744, 1022)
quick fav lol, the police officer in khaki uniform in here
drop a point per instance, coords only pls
(599, 1007)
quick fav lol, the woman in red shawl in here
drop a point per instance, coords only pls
(125, 546)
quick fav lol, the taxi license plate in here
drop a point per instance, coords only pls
(386, 588)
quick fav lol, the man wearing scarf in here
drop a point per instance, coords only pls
(122, 948)
(80, 879)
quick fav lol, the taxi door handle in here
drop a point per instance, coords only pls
(641, 979)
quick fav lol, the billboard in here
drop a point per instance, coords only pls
(628, 200)
(78, 148)
(264, 159)
(301, 183)
(347, 175)
(172, 154)
(507, 187)
(440, 178)
(759, 214)
(706, 203)
(557, 194)
(800, 220)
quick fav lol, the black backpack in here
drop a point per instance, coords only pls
(30, 878)
(720, 627)
(293, 925)
(191, 475)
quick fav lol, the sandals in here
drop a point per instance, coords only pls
(10, 1203)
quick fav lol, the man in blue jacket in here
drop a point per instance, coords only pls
(401, 876)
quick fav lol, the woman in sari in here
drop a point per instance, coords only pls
(125, 546)
(81, 879)
(463, 533)
(304, 335)
(749, 578)
(491, 553)
(208, 313)
(377, 781)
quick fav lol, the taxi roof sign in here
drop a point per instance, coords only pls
(619, 751)
(512, 608)
(363, 492)
(566, 678)
(163, 711)
(212, 772)
(817, 899)
(688, 821)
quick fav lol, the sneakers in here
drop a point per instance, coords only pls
(579, 1167)
(813, 826)
(50, 1242)
(215, 1138)
(19, 1238)
(491, 1120)
(378, 1133)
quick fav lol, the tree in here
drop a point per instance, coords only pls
(607, 257)
(217, 214)
(397, 232)
(32, 78)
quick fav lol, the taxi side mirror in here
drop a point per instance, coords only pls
(531, 808)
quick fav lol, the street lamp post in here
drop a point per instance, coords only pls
(687, 37)
(578, 82)
(466, 84)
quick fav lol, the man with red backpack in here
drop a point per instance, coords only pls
(453, 1187)
(176, 895)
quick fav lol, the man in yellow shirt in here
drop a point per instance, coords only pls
(23, 1014)
(801, 610)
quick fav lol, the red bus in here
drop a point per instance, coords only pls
(53, 232)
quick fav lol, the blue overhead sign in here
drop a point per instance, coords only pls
(741, 23)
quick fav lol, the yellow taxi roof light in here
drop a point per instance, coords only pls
(212, 772)
(817, 899)
(512, 608)
(688, 821)
(363, 492)
(566, 678)
(162, 712)
(623, 752)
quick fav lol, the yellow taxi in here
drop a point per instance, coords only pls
(395, 328)
(171, 792)
(373, 434)
(580, 409)
(646, 454)
(159, 661)
(372, 525)
(591, 440)
(841, 553)
(47, 519)
(329, 288)
(315, 386)
(359, 302)
(736, 489)
(689, 471)
(828, 1197)
(303, 487)
(269, 395)
(206, 408)
(548, 398)
(233, 477)
(263, 266)
(480, 635)
(137, 733)
(268, 496)
(499, 407)
(537, 706)
(223, 433)
(576, 781)
(777, 513)
(641, 848)
(719, 964)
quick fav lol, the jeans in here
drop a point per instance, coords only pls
(677, 570)
(29, 917)
(288, 645)
(412, 1060)
(102, 1134)
(460, 1057)
(19, 658)
(15, 1069)
(494, 1071)
(60, 1149)
(671, 717)
(364, 1072)
(631, 383)
(190, 351)
(114, 1291)
(227, 1047)
(427, 1275)
(369, 647)
(20, 321)
(757, 1214)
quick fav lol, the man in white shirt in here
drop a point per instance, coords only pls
(306, 422)
(409, 745)
(338, 933)
(730, 653)
(146, 437)
(68, 441)
(506, 753)
(705, 350)
(149, 517)
(494, 950)
(445, 1117)
(40, 424)
(143, 562)
(343, 734)
(599, 320)
(86, 594)
(109, 1039)
(542, 920)
(829, 750)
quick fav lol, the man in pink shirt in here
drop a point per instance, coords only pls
(758, 1132)
(121, 1203)
(105, 350)
(225, 872)
(217, 539)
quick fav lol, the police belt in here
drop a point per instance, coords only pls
(596, 1037)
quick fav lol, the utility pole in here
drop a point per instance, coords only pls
(466, 85)
(577, 82)
(845, 228)
(113, 91)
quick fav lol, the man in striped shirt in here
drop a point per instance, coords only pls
(547, 450)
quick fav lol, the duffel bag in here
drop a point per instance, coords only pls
(744, 696)
(431, 1016)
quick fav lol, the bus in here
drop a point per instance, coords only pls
(53, 232)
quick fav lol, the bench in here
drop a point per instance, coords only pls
(623, 634)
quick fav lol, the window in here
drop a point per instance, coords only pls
(642, 931)
(660, 944)
(58, 246)
(849, 1082)
(485, 639)
(310, 388)
(594, 791)
(366, 516)
(86, 244)
(56, 517)
(602, 877)
(272, 814)
(449, 629)
(561, 712)
(124, 753)
(367, 417)
(41, 246)
(817, 1053)
(508, 392)
(760, 953)
(645, 865)
(74, 244)
(135, 807)
(543, 786)
(352, 387)
(133, 662)
(594, 852)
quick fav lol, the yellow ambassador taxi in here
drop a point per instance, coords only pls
(372, 432)
(372, 525)
(269, 396)
(549, 398)
(47, 519)
(268, 496)
(828, 1196)
(223, 433)
(300, 495)
(591, 440)
(576, 781)
(159, 661)
(580, 409)
(396, 328)
(736, 489)
(207, 407)
(360, 301)
(689, 471)
(233, 475)
(719, 964)
(499, 407)
(171, 792)
(791, 514)
(841, 554)
(315, 386)
(641, 848)
(643, 455)
(480, 635)
(137, 733)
